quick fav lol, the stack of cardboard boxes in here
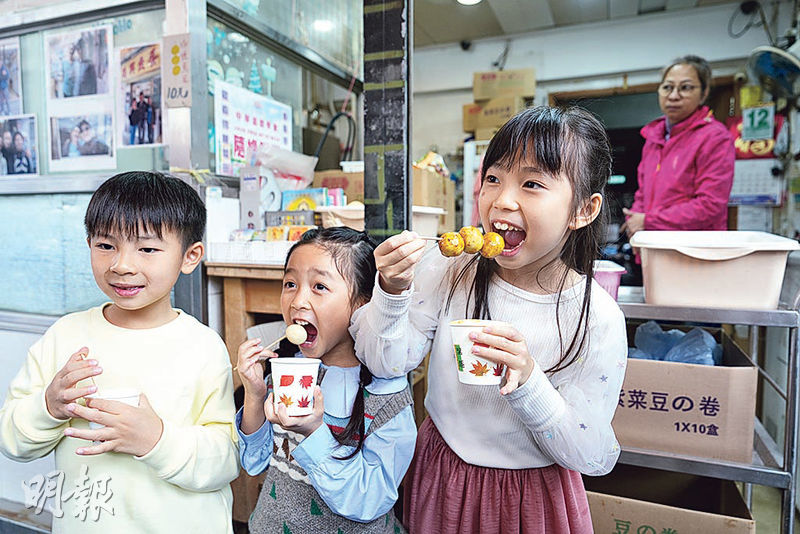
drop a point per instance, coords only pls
(429, 188)
(498, 95)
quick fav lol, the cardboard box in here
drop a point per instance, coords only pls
(497, 111)
(469, 116)
(697, 410)
(636, 499)
(447, 222)
(427, 188)
(485, 134)
(486, 85)
(351, 182)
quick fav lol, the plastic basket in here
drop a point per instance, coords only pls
(289, 218)
(608, 275)
(710, 269)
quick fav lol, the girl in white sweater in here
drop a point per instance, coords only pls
(509, 458)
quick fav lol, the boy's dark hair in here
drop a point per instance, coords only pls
(561, 140)
(146, 201)
(353, 254)
(83, 123)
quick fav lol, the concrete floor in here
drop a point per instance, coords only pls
(766, 510)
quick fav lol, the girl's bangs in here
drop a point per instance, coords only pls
(532, 136)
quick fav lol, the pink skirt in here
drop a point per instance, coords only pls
(444, 494)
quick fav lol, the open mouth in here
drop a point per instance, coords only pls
(513, 236)
(311, 332)
(126, 290)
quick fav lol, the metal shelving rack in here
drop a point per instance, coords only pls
(771, 466)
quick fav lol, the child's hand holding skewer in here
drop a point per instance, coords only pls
(396, 258)
(63, 390)
(251, 370)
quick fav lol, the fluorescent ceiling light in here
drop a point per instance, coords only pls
(322, 25)
(469, 2)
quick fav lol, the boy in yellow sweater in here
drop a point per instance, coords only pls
(166, 464)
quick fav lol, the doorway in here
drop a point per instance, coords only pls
(624, 111)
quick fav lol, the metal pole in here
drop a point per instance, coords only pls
(387, 116)
(186, 135)
(790, 443)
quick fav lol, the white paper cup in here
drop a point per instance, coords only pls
(129, 396)
(293, 381)
(472, 369)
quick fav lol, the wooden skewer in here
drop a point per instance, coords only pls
(263, 358)
(427, 238)
(83, 357)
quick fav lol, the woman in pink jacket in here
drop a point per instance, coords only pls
(686, 171)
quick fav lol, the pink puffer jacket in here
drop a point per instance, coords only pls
(685, 182)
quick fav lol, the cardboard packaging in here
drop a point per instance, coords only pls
(637, 499)
(697, 410)
(485, 134)
(491, 84)
(427, 188)
(469, 116)
(497, 111)
(351, 182)
(447, 222)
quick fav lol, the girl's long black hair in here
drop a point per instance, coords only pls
(352, 253)
(561, 140)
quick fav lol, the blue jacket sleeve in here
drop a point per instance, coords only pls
(255, 450)
(364, 487)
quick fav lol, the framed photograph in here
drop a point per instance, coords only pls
(10, 78)
(18, 146)
(82, 142)
(77, 63)
(139, 117)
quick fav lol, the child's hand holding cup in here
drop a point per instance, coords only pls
(129, 396)
(471, 368)
(296, 401)
(293, 382)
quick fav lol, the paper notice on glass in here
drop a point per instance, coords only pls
(176, 71)
(243, 123)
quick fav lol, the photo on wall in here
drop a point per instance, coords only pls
(80, 142)
(18, 146)
(139, 113)
(10, 77)
(77, 63)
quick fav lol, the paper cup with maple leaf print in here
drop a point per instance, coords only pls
(293, 381)
(471, 368)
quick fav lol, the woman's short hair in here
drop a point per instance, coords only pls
(700, 65)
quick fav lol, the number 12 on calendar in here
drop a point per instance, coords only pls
(758, 122)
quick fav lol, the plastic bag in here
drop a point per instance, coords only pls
(633, 352)
(655, 342)
(698, 347)
(291, 170)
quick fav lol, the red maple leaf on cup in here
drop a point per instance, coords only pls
(306, 380)
(303, 403)
(498, 369)
(286, 380)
